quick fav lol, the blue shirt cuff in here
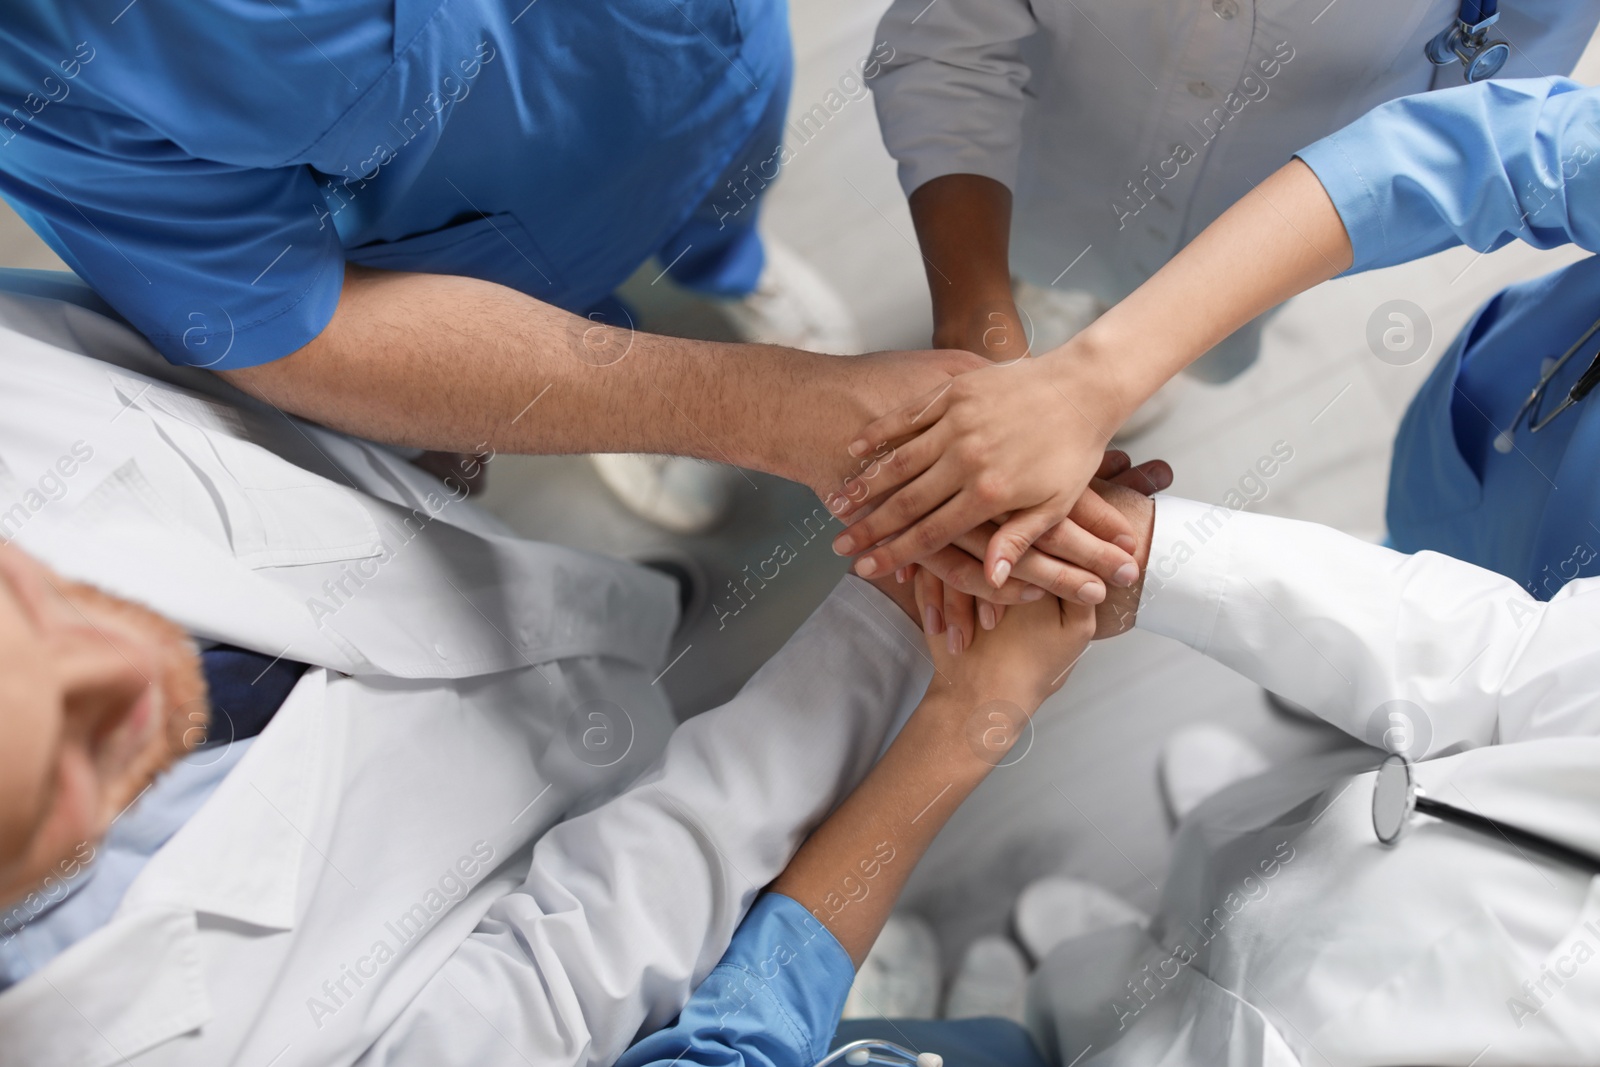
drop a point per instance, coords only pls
(1353, 197)
(773, 1001)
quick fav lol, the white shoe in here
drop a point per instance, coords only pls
(1152, 412)
(795, 306)
(1058, 908)
(1198, 761)
(992, 980)
(684, 495)
(1054, 316)
(900, 977)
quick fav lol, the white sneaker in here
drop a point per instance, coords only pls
(1059, 908)
(1051, 316)
(795, 306)
(687, 496)
(1055, 316)
(1154, 411)
(992, 980)
(1198, 761)
(900, 977)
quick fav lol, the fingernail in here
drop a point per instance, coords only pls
(1001, 571)
(1032, 593)
(836, 503)
(986, 615)
(901, 575)
(866, 567)
(1124, 542)
(858, 448)
(843, 544)
(1091, 593)
(952, 640)
(930, 620)
(1125, 575)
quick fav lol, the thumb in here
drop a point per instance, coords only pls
(1014, 537)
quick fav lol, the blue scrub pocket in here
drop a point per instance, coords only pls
(494, 248)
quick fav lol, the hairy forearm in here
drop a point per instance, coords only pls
(963, 224)
(455, 363)
(850, 871)
(1281, 239)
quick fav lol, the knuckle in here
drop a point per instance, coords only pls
(990, 489)
(924, 539)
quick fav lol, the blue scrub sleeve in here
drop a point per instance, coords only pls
(219, 266)
(773, 1001)
(1479, 165)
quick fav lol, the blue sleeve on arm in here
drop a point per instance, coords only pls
(773, 1001)
(220, 266)
(1480, 165)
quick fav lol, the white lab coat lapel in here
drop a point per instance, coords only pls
(81, 1012)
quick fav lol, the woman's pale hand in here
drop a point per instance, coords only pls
(1018, 441)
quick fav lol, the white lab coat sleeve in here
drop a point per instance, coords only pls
(949, 95)
(626, 908)
(1348, 629)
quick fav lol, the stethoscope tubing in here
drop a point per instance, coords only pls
(1518, 838)
(1536, 397)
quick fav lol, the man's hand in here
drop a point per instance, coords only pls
(1119, 611)
(814, 432)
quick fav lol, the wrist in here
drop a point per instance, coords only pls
(804, 437)
(1094, 368)
(966, 736)
(985, 324)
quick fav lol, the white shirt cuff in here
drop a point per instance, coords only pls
(1187, 572)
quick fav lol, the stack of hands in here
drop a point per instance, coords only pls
(995, 489)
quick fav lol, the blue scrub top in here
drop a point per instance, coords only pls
(774, 1000)
(1484, 165)
(209, 168)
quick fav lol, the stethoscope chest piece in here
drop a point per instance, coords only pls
(1466, 40)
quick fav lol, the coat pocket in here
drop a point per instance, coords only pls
(273, 513)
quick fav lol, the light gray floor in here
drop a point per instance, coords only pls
(1083, 799)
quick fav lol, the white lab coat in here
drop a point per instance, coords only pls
(1312, 943)
(378, 881)
(1081, 106)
